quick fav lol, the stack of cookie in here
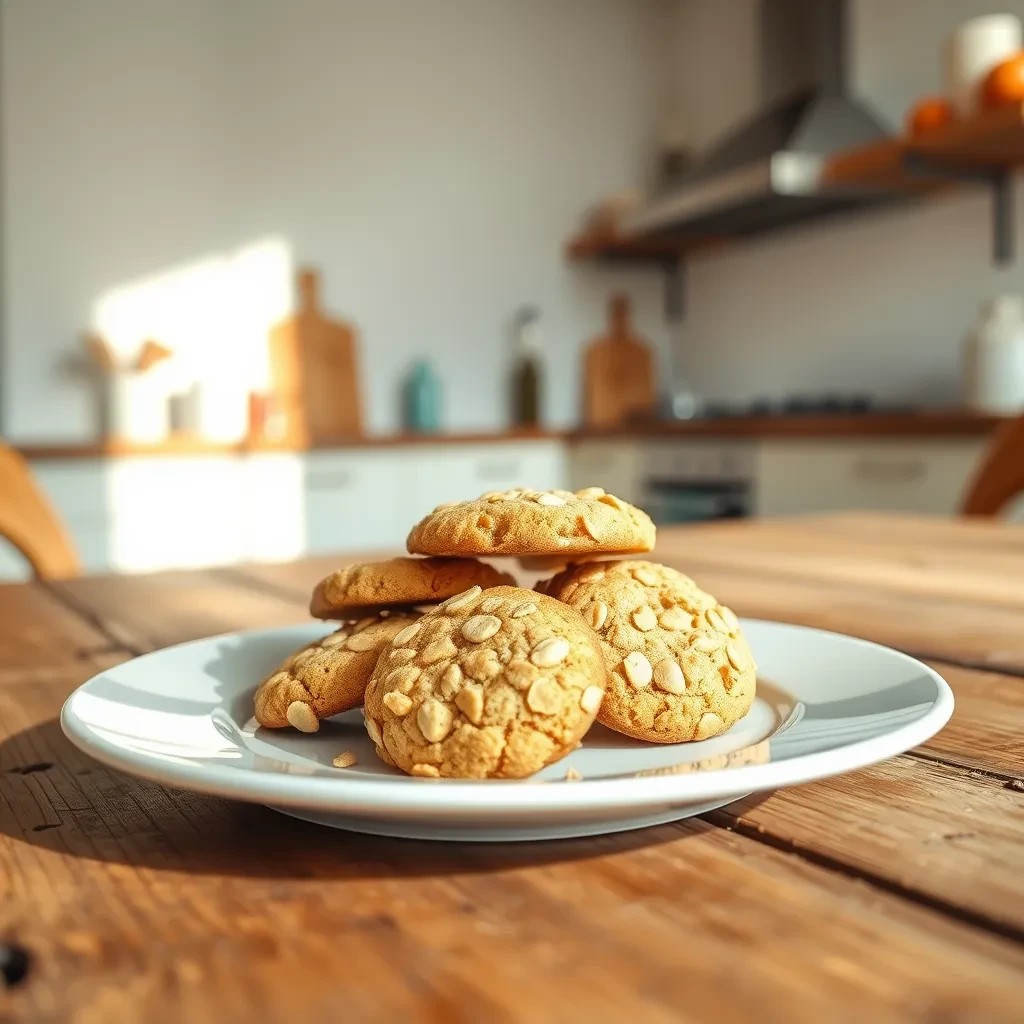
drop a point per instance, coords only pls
(465, 675)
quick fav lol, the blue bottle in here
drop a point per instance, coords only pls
(422, 399)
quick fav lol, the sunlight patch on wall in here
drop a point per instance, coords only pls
(214, 313)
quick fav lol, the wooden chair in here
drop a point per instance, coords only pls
(28, 521)
(1000, 474)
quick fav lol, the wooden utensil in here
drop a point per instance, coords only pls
(313, 370)
(151, 353)
(100, 352)
(618, 371)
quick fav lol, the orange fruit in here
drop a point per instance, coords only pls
(928, 114)
(1004, 84)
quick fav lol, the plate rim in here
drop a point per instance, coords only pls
(389, 795)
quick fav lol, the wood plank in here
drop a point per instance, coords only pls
(992, 730)
(147, 612)
(815, 550)
(271, 910)
(926, 534)
(948, 837)
(986, 731)
(942, 628)
(37, 630)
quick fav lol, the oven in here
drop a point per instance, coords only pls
(697, 480)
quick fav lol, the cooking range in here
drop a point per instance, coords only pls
(705, 478)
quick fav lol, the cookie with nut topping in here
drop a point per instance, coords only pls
(679, 666)
(525, 522)
(328, 676)
(399, 583)
(490, 684)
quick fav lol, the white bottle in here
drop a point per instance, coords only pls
(995, 357)
(973, 49)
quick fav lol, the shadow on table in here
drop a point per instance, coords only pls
(56, 797)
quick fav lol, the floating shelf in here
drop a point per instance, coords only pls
(986, 148)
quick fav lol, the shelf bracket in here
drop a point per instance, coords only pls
(674, 269)
(1000, 182)
(1004, 233)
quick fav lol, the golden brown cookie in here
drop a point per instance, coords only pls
(491, 684)
(524, 522)
(679, 667)
(399, 583)
(326, 677)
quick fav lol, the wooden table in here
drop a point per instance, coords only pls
(895, 893)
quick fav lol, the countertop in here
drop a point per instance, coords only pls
(934, 423)
(889, 894)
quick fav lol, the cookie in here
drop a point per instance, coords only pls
(524, 522)
(399, 582)
(491, 684)
(679, 666)
(326, 677)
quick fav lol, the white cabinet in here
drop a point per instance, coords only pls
(451, 472)
(888, 474)
(614, 465)
(356, 500)
(273, 507)
(174, 511)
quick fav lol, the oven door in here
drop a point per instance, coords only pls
(697, 501)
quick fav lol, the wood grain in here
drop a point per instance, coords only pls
(986, 731)
(150, 904)
(158, 615)
(145, 612)
(38, 630)
(890, 894)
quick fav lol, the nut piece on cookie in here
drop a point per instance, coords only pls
(519, 682)
(328, 676)
(534, 523)
(367, 589)
(679, 666)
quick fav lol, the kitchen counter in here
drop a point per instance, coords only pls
(936, 423)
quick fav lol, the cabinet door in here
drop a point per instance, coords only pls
(894, 475)
(167, 512)
(613, 465)
(455, 472)
(273, 497)
(356, 501)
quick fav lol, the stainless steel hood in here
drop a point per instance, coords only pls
(769, 171)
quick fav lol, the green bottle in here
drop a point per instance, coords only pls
(422, 399)
(526, 373)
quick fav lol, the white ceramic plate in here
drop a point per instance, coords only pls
(183, 716)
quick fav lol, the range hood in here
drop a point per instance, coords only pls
(770, 171)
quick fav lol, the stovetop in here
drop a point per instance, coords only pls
(825, 404)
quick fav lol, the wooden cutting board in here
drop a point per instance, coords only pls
(314, 372)
(618, 371)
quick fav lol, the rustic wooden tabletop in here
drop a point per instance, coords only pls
(891, 894)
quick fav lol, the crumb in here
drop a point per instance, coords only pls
(572, 775)
(344, 760)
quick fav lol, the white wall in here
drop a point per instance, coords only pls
(877, 302)
(430, 157)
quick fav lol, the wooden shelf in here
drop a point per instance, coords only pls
(614, 247)
(196, 446)
(991, 141)
(953, 422)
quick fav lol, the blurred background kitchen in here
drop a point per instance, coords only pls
(278, 277)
